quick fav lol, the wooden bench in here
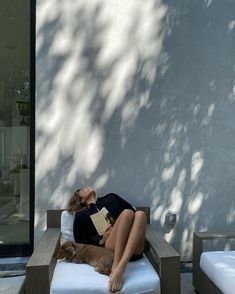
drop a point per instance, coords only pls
(40, 268)
(201, 281)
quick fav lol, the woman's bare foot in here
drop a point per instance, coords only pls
(115, 280)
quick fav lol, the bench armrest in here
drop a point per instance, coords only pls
(165, 260)
(41, 265)
(212, 236)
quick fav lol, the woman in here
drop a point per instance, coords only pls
(125, 237)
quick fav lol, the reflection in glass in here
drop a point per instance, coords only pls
(14, 121)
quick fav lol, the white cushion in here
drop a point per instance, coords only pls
(66, 223)
(70, 278)
(219, 266)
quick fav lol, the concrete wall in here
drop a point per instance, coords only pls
(138, 98)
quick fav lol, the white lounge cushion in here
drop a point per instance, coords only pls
(66, 223)
(70, 278)
(219, 266)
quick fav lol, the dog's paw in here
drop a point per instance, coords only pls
(103, 271)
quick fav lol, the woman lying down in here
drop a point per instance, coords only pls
(112, 223)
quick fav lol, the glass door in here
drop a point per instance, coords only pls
(16, 127)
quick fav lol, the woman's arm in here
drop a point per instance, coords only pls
(78, 229)
(105, 236)
(83, 232)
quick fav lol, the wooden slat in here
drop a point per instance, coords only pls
(40, 267)
(53, 218)
(212, 236)
(197, 251)
(165, 260)
(159, 244)
(45, 249)
(169, 272)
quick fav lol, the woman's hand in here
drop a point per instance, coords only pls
(106, 235)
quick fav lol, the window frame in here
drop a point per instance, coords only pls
(26, 249)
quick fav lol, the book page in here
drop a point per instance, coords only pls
(99, 222)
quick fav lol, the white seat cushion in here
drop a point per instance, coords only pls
(70, 278)
(219, 266)
(66, 223)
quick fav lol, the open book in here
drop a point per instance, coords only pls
(101, 220)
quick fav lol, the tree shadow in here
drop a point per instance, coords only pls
(139, 100)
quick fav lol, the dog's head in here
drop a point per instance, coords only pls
(67, 251)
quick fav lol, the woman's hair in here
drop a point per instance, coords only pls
(75, 203)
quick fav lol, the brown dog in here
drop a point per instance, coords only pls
(99, 257)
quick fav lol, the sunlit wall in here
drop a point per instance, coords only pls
(138, 98)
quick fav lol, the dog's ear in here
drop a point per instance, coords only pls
(70, 250)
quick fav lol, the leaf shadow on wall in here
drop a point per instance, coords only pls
(132, 103)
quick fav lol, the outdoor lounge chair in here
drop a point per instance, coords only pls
(213, 271)
(164, 262)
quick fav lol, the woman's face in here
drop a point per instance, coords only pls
(87, 194)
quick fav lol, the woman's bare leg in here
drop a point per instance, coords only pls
(118, 238)
(133, 245)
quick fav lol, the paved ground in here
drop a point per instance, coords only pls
(12, 285)
(12, 275)
(186, 284)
